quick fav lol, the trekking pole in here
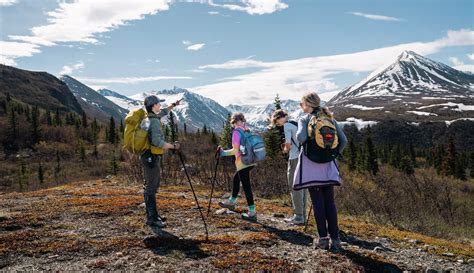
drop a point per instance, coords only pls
(307, 219)
(217, 157)
(194, 193)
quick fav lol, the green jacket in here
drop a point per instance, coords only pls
(157, 138)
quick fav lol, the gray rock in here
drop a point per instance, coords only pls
(448, 254)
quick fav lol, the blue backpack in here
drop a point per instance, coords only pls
(252, 147)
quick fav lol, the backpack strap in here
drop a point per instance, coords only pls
(292, 140)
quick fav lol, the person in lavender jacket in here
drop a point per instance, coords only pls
(319, 178)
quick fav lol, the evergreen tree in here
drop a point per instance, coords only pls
(438, 158)
(226, 134)
(173, 127)
(84, 120)
(35, 126)
(471, 165)
(122, 128)
(448, 166)
(57, 168)
(460, 171)
(272, 140)
(114, 167)
(413, 155)
(22, 174)
(117, 136)
(204, 130)
(277, 102)
(185, 128)
(371, 161)
(8, 97)
(28, 113)
(352, 154)
(214, 140)
(406, 165)
(49, 119)
(82, 151)
(12, 125)
(95, 137)
(395, 156)
(111, 135)
(57, 119)
(40, 173)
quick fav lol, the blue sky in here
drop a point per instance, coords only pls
(232, 51)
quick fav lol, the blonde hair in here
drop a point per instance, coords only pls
(313, 100)
(237, 117)
(278, 114)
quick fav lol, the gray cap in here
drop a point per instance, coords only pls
(152, 100)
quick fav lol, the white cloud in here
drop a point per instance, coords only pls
(471, 56)
(82, 21)
(7, 2)
(68, 69)
(195, 47)
(213, 12)
(375, 16)
(292, 78)
(186, 42)
(456, 61)
(9, 51)
(254, 7)
(460, 65)
(236, 64)
(130, 80)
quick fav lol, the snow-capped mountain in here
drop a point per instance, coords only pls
(258, 116)
(410, 84)
(195, 110)
(119, 99)
(93, 103)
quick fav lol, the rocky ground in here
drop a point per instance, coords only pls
(99, 225)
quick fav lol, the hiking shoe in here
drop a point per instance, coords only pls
(336, 244)
(227, 205)
(295, 220)
(250, 216)
(156, 223)
(321, 243)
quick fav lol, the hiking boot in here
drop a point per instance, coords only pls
(295, 220)
(158, 223)
(227, 205)
(336, 244)
(250, 216)
(321, 243)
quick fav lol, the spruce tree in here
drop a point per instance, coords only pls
(214, 140)
(40, 173)
(49, 120)
(57, 168)
(35, 126)
(111, 134)
(173, 127)
(185, 129)
(412, 155)
(122, 128)
(84, 120)
(57, 119)
(113, 163)
(95, 137)
(396, 156)
(352, 154)
(471, 164)
(371, 161)
(438, 158)
(448, 166)
(277, 102)
(82, 151)
(226, 134)
(460, 171)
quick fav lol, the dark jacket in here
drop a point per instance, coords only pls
(157, 138)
